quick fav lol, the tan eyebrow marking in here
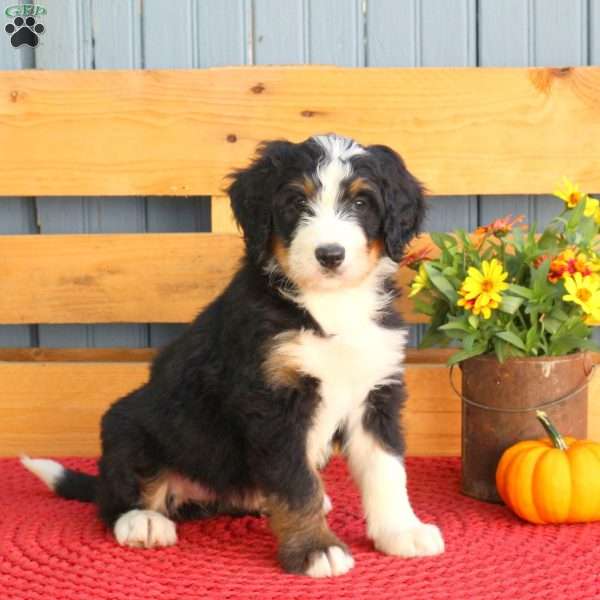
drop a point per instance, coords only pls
(306, 185)
(358, 185)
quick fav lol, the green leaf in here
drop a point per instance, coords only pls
(473, 321)
(519, 290)
(442, 240)
(550, 324)
(549, 239)
(441, 283)
(455, 324)
(532, 340)
(565, 344)
(464, 354)
(510, 304)
(423, 307)
(511, 338)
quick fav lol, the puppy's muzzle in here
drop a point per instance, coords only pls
(330, 256)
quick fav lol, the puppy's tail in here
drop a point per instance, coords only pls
(66, 483)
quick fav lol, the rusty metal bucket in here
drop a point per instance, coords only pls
(499, 401)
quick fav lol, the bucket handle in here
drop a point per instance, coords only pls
(542, 406)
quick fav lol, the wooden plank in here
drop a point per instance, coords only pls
(462, 131)
(222, 220)
(428, 357)
(154, 278)
(53, 408)
(112, 278)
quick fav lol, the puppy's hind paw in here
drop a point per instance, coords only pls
(145, 529)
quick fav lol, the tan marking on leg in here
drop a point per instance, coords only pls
(155, 492)
(306, 544)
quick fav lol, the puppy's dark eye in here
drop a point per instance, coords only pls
(360, 203)
(297, 200)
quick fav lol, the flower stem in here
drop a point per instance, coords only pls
(557, 439)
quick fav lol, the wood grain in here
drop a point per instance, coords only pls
(53, 408)
(122, 278)
(462, 131)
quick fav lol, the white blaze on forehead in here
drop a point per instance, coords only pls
(335, 166)
(325, 224)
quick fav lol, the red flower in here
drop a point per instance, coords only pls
(500, 227)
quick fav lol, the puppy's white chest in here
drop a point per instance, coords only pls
(355, 355)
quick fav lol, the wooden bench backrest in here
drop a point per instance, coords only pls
(462, 131)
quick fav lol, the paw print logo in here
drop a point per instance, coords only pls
(24, 32)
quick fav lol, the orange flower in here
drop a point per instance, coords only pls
(567, 263)
(500, 227)
(416, 257)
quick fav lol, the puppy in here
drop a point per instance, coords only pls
(303, 347)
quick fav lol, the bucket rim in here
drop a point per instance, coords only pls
(490, 356)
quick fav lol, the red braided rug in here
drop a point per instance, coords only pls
(55, 549)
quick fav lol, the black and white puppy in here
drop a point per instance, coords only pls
(303, 348)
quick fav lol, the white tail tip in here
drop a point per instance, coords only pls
(49, 471)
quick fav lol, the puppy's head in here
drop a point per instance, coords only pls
(327, 210)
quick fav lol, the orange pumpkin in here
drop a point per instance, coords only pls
(555, 480)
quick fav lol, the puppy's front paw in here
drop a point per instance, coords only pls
(329, 562)
(421, 539)
(145, 529)
(316, 558)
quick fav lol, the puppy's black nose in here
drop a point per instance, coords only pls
(330, 255)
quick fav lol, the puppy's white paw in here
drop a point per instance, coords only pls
(421, 539)
(145, 529)
(327, 504)
(329, 563)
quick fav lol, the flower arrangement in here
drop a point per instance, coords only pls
(513, 291)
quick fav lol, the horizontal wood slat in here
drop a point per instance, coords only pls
(53, 408)
(178, 132)
(122, 278)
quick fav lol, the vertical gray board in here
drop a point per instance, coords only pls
(335, 32)
(532, 33)
(280, 32)
(190, 34)
(86, 35)
(17, 215)
(426, 33)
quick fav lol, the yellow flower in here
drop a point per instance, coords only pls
(584, 291)
(481, 290)
(570, 193)
(419, 282)
(591, 207)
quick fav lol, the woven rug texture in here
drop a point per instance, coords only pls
(55, 549)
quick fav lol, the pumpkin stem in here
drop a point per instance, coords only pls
(552, 432)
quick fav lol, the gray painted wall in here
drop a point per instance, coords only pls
(88, 34)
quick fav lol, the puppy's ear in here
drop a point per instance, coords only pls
(403, 198)
(251, 193)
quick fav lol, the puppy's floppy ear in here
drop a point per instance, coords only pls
(403, 198)
(251, 193)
